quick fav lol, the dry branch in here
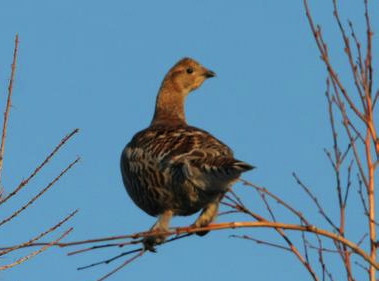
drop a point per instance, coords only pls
(9, 104)
(42, 249)
(39, 167)
(33, 240)
(31, 201)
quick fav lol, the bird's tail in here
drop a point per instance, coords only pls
(242, 166)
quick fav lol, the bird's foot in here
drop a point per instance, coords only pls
(207, 216)
(203, 221)
(150, 242)
(198, 225)
(161, 226)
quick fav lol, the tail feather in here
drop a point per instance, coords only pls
(242, 166)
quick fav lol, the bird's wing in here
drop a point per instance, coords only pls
(201, 155)
(208, 163)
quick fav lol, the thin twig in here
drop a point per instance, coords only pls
(362, 239)
(318, 248)
(267, 205)
(305, 246)
(26, 244)
(133, 242)
(361, 195)
(108, 261)
(356, 76)
(365, 268)
(8, 105)
(317, 34)
(358, 46)
(103, 246)
(375, 99)
(238, 205)
(140, 254)
(315, 200)
(348, 183)
(278, 200)
(16, 213)
(262, 242)
(36, 171)
(44, 248)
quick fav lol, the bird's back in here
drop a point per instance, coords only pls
(179, 167)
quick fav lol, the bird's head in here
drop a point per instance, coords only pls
(185, 76)
(188, 75)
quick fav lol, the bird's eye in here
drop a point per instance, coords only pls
(189, 70)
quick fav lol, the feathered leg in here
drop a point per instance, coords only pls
(207, 216)
(162, 224)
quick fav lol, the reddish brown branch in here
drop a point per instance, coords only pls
(317, 34)
(315, 200)
(375, 99)
(36, 171)
(262, 242)
(33, 240)
(232, 225)
(42, 249)
(8, 105)
(339, 158)
(357, 79)
(31, 201)
(358, 46)
(368, 60)
(278, 200)
(265, 224)
(238, 205)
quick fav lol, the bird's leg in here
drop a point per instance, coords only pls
(162, 225)
(208, 215)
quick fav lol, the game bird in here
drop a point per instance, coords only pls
(174, 169)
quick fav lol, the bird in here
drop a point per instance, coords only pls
(174, 169)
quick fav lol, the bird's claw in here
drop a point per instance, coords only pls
(150, 242)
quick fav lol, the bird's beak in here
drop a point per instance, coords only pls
(209, 73)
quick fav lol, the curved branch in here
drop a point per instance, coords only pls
(231, 225)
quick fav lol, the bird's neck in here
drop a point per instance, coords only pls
(169, 106)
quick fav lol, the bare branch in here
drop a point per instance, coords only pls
(39, 194)
(36, 171)
(9, 104)
(278, 200)
(365, 268)
(267, 205)
(362, 239)
(44, 248)
(368, 60)
(31, 241)
(358, 46)
(262, 242)
(375, 99)
(348, 183)
(315, 200)
(112, 259)
(357, 78)
(324, 56)
(140, 254)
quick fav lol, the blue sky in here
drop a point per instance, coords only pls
(97, 66)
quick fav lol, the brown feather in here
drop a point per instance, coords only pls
(171, 168)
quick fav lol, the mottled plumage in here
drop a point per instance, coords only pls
(171, 168)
